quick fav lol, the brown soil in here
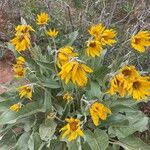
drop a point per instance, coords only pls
(6, 75)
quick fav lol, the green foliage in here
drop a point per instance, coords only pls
(40, 120)
(97, 140)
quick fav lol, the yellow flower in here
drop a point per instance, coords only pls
(67, 97)
(25, 90)
(19, 70)
(96, 30)
(16, 107)
(107, 37)
(42, 18)
(140, 88)
(141, 40)
(129, 72)
(119, 85)
(24, 28)
(98, 111)
(64, 55)
(52, 33)
(20, 60)
(103, 35)
(94, 48)
(21, 42)
(76, 72)
(72, 130)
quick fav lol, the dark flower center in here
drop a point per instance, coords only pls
(20, 73)
(126, 73)
(137, 40)
(73, 126)
(92, 44)
(21, 37)
(136, 85)
(28, 90)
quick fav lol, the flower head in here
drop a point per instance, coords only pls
(123, 80)
(140, 88)
(16, 107)
(26, 91)
(21, 42)
(52, 33)
(72, 130)
(140, 40)
(119, 85)
(65, 54)
(20, 60)
(94, 48)
(96, 30)
(19, 68)
(76, 72)
(24, 28)
(22, 37)
(129, 72)
(103, 35)
(67, 97)
(107, 37)
(42, 18)
(98, 111)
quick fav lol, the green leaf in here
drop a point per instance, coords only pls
(85, 146)
(22, 142)
(47, 101)
(9, 117)
(97, 140)
(137, 122)
(113, 147)
(45, 65)
(125, 102)
(71, 38)
(56, 144)
(6, 103)
(134, 143)
(47, 131)
(51, 83)
(73, 145)
(101, 72)
(95, 90)
(34, 141)
(116, 119)
(4, 147)
(8, 139)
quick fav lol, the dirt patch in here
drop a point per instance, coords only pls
(6, 75)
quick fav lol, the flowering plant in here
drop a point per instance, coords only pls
(68, 98)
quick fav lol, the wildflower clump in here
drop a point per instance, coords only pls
(22, 38)
(101, 36)
(129, 81)
(63, 99)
